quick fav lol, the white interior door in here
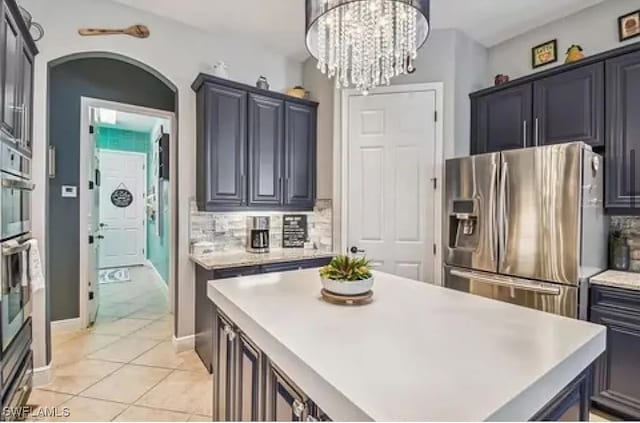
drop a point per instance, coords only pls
(94, 225)
(123, 229)
(390, 191)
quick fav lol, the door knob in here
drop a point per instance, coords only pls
(355, 250)
(102, 225)
(100, 237)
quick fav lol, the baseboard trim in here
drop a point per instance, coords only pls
(184, 343)
(162, 283)
(42, 376)
(66, 325)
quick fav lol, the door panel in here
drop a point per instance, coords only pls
(552, 298)
(224, 374)
(266, 145)
(26, 93)
(539, 208)
(10, 71)
(300, 156)
(568, 107)
(502, 120)
(249, 378)
(623, 133)
(224, 122)
(94, 224)
(390, 191)
(284, 401)
(124, 229)
(472, 181)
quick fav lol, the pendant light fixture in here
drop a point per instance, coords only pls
(365, 43)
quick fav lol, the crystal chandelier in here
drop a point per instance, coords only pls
(365, 43)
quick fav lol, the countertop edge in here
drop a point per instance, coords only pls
(617, 279)
(202, 263)
(533, 399)
(325, 395)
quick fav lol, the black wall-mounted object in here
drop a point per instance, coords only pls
(616, 389)
(256, 149)
(163, 157)
(595, 100)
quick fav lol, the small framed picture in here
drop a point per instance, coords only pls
(544, 54)
(629, 25)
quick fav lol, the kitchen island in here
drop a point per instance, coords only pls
(418, 352)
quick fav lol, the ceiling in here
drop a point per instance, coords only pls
(279, 24)
(132, 122)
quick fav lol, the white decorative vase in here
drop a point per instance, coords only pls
(220, 70)
(347, 287)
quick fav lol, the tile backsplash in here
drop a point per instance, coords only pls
(630, 227)
(227, 232)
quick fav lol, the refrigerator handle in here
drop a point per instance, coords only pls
(493, 211)
(503, 219)
(506, 282)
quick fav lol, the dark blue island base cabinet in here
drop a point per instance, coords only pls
(204, 315)
(256, 149)
(570, 405)
(616, 388)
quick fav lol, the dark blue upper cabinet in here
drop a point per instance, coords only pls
(623, 133)
(569, 107)
(256, 149)
(502, 120)
(266, 146)
(10, 73)
(300, 155)
(222, 147)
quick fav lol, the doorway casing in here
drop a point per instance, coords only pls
(341, 161)
(87, 104)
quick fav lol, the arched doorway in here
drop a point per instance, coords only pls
(111, 78)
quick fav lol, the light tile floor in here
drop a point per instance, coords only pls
(124, 368)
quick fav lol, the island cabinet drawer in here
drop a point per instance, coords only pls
(235, 272)
(616, 387)
(295, 265)
(625, 300)
(571, 404)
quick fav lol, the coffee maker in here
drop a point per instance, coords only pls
(258, 234)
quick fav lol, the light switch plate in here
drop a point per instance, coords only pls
(69, 191)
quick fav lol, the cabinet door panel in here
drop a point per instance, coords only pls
(300, 155)
(204, 319)
(224, 127)
(618, 370)
(266, 139)
(225, 374)
(10, 71)
(26, 94)
(249, 380)
(623, 132)
(502, 120)
(570, 107)
(284, 402)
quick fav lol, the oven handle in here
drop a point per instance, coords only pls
(16, 184)
(9, 251)
(507, 282)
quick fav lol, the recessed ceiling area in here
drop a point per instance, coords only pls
(279, 24)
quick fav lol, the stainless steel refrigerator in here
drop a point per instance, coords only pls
(526, 226)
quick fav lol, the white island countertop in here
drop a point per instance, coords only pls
(416, 353)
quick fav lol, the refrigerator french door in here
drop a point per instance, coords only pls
(526, 226)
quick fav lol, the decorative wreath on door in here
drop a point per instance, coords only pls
(121, 196)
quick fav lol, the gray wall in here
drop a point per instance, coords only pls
(594, 28)
(101, 78)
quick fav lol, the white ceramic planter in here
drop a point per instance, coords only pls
(347, 287)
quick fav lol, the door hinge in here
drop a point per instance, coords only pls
(435, 249)
(435, 116)
(90, 295)
(434, 181)
(91, 239)
(91, 129)
(90, 185)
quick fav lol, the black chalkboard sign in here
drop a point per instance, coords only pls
(294, 230)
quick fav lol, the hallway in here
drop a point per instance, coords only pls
(125, 368)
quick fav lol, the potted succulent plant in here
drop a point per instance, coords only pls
(347, 276)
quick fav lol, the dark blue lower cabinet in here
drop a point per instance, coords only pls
(616, 389)
(570, 405)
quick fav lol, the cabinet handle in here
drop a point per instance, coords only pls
(537, 136)
(52, 162)
(524, 133)
(298, 408)
(231, 335)
(310, 418)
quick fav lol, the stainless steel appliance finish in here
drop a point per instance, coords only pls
(258, 234)
(539, 217)
(16, 287)
(15, 193)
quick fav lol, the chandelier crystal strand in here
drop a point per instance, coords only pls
(365, 43)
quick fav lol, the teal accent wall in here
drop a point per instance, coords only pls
(157, 250)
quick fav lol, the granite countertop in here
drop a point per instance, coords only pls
(225, 260)
(418, 352)
(618, 279)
